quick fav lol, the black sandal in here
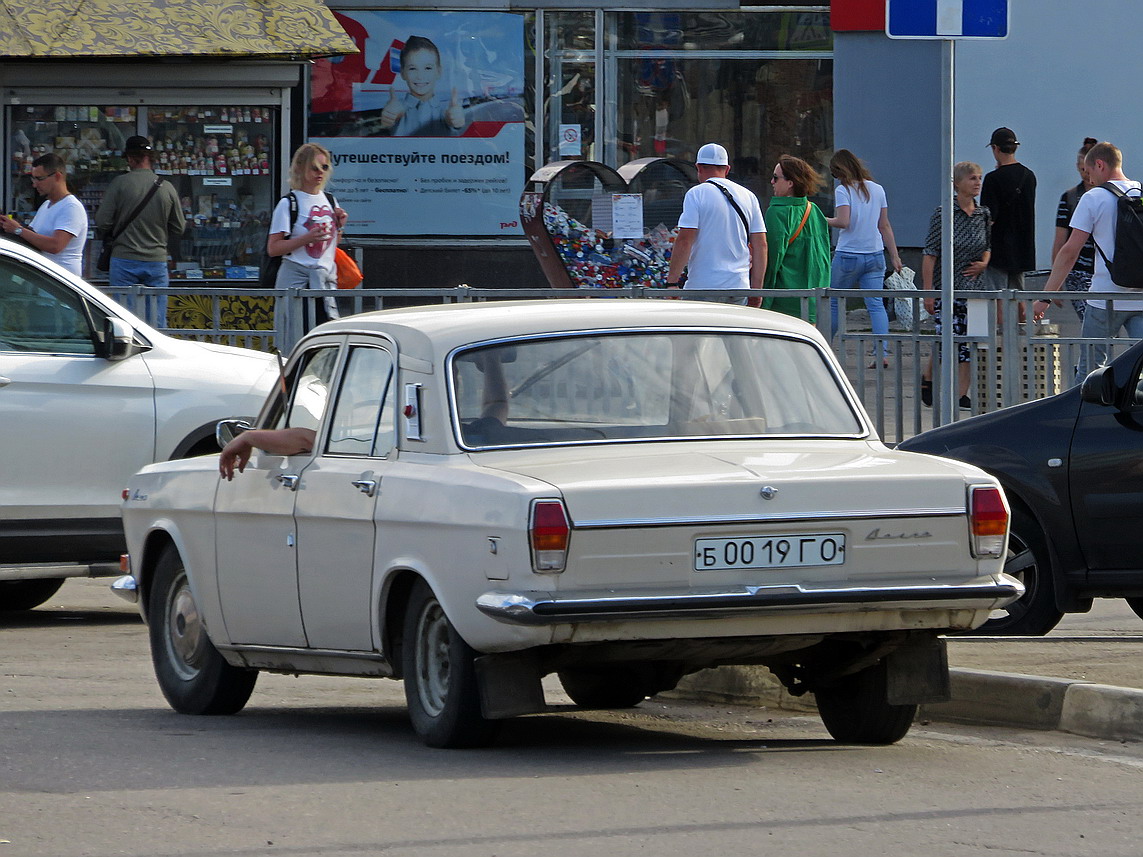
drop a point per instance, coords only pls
(927, 391)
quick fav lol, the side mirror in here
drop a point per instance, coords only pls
(227, 430)
(118, 340)
(1098, 388)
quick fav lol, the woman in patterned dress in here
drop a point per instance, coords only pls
(972, 241)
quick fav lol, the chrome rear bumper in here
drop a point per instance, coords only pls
(542, 608)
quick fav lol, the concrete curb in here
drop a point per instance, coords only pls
(978, 696)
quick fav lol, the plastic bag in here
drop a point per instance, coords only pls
(903, 306)
(349, 276)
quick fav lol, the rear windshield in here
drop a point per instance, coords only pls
(646, 386)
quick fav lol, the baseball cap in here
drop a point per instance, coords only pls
(137, 144)
(713, 155)
(1004, 137)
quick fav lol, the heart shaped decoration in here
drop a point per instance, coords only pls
(559, 218)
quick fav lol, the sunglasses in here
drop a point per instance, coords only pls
(39, 179)
(776, 178)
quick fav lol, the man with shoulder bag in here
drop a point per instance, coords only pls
(722, 236)
(139, 217)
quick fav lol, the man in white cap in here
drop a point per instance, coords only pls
(722, 236)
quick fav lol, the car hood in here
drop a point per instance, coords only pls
(743, 480)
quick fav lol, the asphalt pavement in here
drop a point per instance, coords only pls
(1085, 677)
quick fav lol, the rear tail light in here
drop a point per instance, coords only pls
(987, 520)
(548, 533)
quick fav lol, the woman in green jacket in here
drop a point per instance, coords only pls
(797, 237)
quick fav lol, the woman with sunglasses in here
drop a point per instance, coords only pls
(798, 242)
(861, 215)
(308, 244)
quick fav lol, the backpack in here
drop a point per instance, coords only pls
(1127, 269)
(268, 268)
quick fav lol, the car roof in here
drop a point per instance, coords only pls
(440, 328)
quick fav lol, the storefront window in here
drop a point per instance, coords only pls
(760, 83)
(570, 90)
(721, 31)
(758, 109)
(218, 157)
(89, 138)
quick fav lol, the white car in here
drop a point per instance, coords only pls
(617, 491)
(88, 395)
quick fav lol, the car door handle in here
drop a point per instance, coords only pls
(4, 382)
(289, 480)
(368, 487)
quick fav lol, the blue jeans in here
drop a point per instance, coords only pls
(864, 271)
(130, 272)
(1103, 323)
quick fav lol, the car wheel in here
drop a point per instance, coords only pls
(855, 709)
(1029, 561)
(192, 674)
(440, 678)
(616, 687)
(1135, 604)
(26, 594)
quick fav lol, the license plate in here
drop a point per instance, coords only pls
(790, 551)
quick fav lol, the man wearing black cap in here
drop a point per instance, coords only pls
(1009, 193)
(139, 254)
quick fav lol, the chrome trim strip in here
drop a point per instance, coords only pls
(41, 570)
(542, 609)
(843, 515)
(309, 653)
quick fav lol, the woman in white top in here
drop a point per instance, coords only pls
(862, 216)
(308, 244)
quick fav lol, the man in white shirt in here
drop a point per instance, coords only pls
(1095, 216)
(59, 229)
(722, 236)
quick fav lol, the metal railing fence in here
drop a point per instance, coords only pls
(1043, 360)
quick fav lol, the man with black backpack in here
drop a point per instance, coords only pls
(1108, 213)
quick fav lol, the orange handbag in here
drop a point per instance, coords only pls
(349, 276)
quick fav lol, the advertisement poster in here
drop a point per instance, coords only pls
(426, 125)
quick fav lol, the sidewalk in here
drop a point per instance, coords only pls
(1086, 677)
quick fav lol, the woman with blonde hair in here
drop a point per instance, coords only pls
(972, 248)
(861, 215)
(797, 237)
(307, 242)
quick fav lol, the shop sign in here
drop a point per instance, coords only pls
(425, 126)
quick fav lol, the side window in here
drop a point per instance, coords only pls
(362, 422)
(37, 313)
(310, 386)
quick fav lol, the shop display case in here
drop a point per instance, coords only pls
(220, 158)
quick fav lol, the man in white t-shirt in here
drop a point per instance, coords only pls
(1095, 216)
(721, 243)
(59, 228)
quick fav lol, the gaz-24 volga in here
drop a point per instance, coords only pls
(617, 492)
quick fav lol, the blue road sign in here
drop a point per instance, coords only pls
(946, 19)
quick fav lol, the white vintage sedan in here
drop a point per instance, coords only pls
(620, 492)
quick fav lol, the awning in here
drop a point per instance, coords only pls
(59, 29)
